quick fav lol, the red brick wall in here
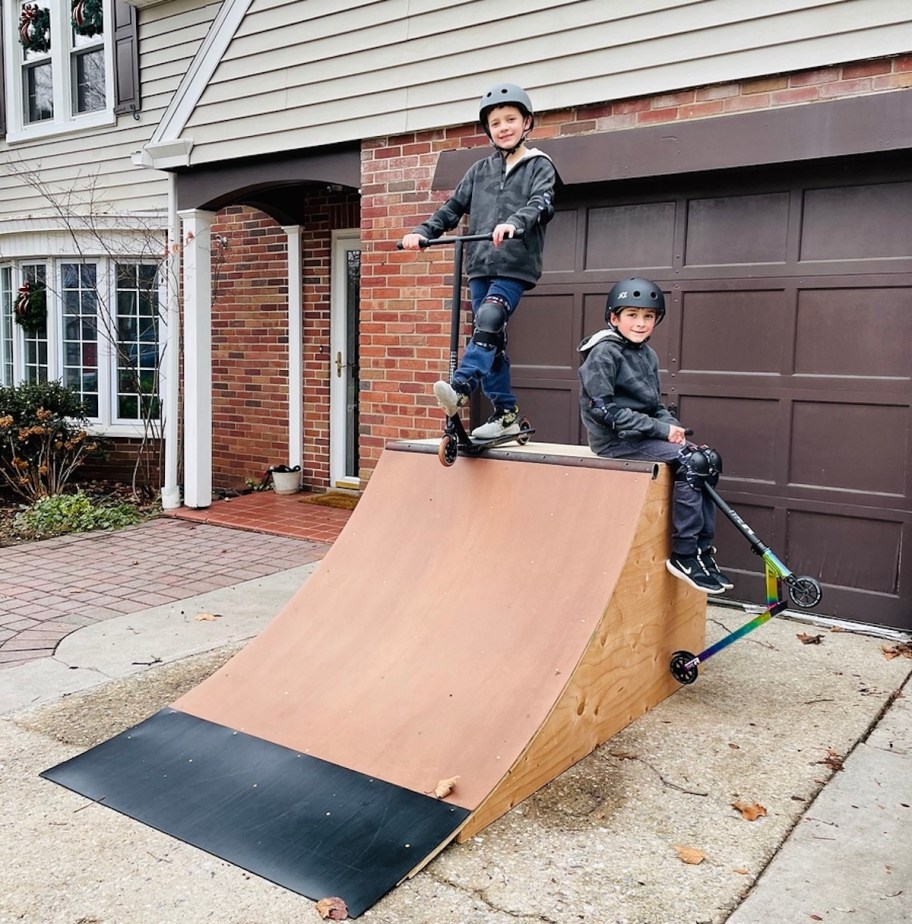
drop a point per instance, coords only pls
(404, 296)
(250, 340)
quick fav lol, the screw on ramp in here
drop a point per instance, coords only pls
(488, 624)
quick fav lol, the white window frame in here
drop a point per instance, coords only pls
(104, 422)
(65, 119)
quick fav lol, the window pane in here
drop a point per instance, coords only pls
(79, 297)
(88, 81)
(6, 325)
(137, 340)
(39, 92)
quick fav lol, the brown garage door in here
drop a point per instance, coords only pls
(786, 346)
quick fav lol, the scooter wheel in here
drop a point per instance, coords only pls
(804, 591)
(448, 450)
(679, 669)
(524, 437)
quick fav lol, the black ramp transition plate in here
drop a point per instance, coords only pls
(308, 825)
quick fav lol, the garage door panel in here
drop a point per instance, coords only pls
(748, 325)
(737, 229)
(739, 429)
(870, 221)
(830, 340)
(817, 544)
(735, 552)
(541, 333)
(563, 242)
(853, 447)
(553, 412)
(622, 236)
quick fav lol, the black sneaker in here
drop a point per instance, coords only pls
(713, 570)
(689, 568)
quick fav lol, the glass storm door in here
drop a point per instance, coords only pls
(344, 381)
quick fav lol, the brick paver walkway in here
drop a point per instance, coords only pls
(48, 589)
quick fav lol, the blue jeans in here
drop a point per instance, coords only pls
(693, 514)
(484, 365)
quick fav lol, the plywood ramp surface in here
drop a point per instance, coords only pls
(493, 621)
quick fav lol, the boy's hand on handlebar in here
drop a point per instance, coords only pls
(501, 232)
(677, 434)
(412, 241)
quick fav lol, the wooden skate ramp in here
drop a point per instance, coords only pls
(491, 622)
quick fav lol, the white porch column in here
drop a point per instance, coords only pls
(295, 349)
(170, 374)
(197, 357)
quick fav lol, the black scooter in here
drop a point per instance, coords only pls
(456, 440)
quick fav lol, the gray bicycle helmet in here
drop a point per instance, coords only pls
(636, 292)
(504, 94)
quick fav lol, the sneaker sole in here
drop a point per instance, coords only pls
(504, 434)
(444, 401)
(687, 580)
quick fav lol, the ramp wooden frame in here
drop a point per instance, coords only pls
(495, 622)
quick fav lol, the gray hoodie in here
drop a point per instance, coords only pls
(625, 377)
(522, 196)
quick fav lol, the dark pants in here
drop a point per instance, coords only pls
(693, 514)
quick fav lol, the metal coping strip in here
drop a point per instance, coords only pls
(544, 458)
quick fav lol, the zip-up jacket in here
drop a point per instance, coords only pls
(622, 379)
(491, 195)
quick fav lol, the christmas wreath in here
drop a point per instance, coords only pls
(35, 28)
(31, 308)
(88, 17)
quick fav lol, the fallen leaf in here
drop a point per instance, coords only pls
(750, 811)
(332, 909)
(809, 639)
(832, 760)
(207, 617)
(445, 787)
(741, 871)
(900, 650)
(733, 746)
(815, 917)
(690, 855)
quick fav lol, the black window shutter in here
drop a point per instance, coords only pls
(126, 58)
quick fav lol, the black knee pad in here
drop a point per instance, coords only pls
(491, 323)
(701, 464)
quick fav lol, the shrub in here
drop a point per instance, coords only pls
(44, 437)
(72, 513)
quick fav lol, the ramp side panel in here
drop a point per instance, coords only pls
(436, 636)
(623, 671)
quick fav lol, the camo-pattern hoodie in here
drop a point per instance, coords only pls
(625, 377)
(491, 195)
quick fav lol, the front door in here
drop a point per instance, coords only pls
(344, 380)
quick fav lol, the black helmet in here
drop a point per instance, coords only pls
(636, 292)
(504, 94)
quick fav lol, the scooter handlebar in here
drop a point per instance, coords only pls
(433, 242)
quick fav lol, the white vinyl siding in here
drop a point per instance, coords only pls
(92, 168)
(302, 73)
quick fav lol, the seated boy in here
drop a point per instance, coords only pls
(621, 407)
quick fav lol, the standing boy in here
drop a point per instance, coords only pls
(621, 407)
(510, 191)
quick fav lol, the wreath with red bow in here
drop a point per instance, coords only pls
(88, 17)
(35, 28)
(31, 308)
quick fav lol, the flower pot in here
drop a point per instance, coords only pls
(287, 482)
